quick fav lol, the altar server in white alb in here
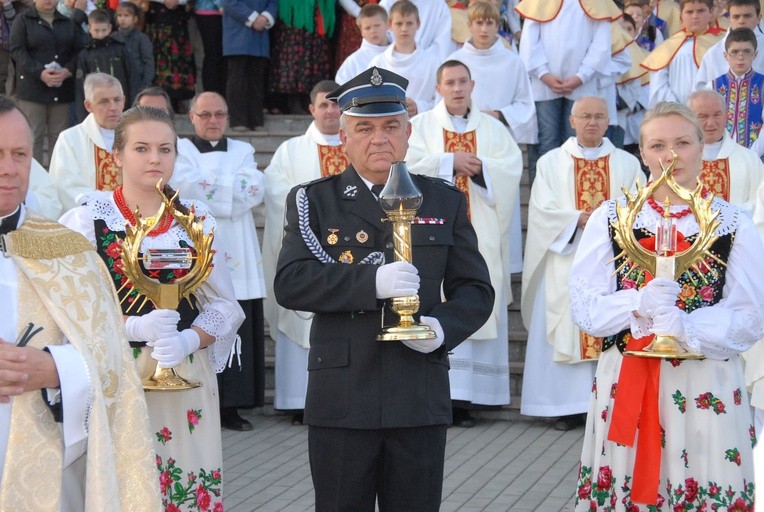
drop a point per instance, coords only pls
(372, 22)
(314, 155)
(571, 182)
(222, 173)
(435, 31)
(81, 160)
(564, 42)
(406, 57)
(730, 171)
(502, 90)
(742, 14)
(474, 151)
(674, 63)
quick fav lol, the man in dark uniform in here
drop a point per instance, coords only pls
(378, 411)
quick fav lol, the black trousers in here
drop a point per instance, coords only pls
(402, 468)
(244, 386)
(213, 65)
(245, 90)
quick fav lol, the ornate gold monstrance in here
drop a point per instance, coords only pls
(667, 265)
(166, 295)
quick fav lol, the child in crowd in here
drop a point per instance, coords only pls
(372, 21)
(742, 87)
(674, 64)
(633, 90)
(648, 35)
(102, 54)
(743, 14)
(138, 44)
(417, 65)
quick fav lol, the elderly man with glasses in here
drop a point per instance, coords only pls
(223, 174)
(571, 182)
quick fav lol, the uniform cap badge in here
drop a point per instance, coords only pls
(362, 236)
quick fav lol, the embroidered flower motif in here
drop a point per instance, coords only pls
(690, 489)
(193, 416)
(709, 401)
(684, 458)
(604, 478)
(752, 435)
(680, 401)
(613, 389)
(165, 481)
(732, 455)
(628, 284)
(203, 499)
(218, 507)
(164, 435)
(737, 397)
(706, 293)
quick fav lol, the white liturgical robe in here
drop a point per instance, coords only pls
(419, 68)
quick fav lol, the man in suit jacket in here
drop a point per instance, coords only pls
(378, 412)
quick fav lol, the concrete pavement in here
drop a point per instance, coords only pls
(505, 463)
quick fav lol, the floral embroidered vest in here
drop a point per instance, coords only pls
(697, 291)
(110, 251)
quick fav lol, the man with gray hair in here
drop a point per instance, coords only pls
(571, 182)
(730, 171)
(81, 160)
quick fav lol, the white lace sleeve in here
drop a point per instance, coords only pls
(597, 308)
(221, 314)
(735, 323)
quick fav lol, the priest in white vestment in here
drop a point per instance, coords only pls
(222, 173)
(730, 171)
(316, 154)
(564, 43)
(84, 442)
(571, 182)
(472, 150)
(435, 30)
(372, 22)
(406, 57)
(502, 90)
(674, 64)
(743, 14)
(81, 160)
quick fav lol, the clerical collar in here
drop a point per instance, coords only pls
(10, 222)
(108, 138)
(711, 151)
(589, 153)
(205, 146)
(465, 116)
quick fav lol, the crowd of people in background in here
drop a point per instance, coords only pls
(568, 81)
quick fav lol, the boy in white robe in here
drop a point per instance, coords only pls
(472, 150)
(572, 181)
(372, 22)
(435, 31)
(502, 90)
(316, 154)
(674, 64)
(743, 14)
(405, 57)
(562, 70)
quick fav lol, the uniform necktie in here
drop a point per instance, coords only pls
(377, 190)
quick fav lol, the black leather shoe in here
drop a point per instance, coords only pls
(297, 419)
(565, 423)
(462, 418)
(230, 419)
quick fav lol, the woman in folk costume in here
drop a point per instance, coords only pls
(301, 56)
(196, 339)
(167, 27)
(669, 434)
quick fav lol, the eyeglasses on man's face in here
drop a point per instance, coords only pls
(206, 116)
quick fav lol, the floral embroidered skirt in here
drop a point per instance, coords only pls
(173, 53)
(299, 60)
(707, 440)
(186, 430)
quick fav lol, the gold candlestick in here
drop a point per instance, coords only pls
(401, 199)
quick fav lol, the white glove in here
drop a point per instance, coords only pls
(170, 351)
(657, 293)
(160, 323)
(399, 279)
(669, 321)
(427, 346)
